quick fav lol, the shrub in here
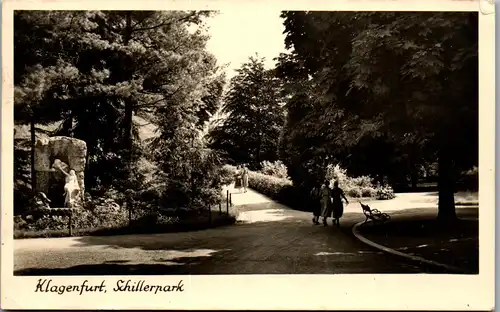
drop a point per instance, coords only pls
(268, 185)
(19, 223)
(282, 189)
(362, 181)
(147, 190)
(359, 186)
(276, 169)
(353, 192)
(101, 212)
(227, 174)
(46, 222)
(105, 216)
(469, 180)
(385, 192)
(368, 191)
(337, 173)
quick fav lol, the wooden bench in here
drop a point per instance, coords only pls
(375, 215)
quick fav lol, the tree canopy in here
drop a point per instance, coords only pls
(94, 70)
(382, 93)
(394, 79)
(253, 102)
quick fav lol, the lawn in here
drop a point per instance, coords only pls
(417, 232)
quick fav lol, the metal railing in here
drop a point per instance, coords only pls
(227, 202)
(130, 210)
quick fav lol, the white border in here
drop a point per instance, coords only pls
(347, 292)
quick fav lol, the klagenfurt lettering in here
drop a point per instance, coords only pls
(47, 286)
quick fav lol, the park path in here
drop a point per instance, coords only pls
(269, 238)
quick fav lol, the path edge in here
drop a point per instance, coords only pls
(359, 236)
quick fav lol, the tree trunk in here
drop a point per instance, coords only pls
(446, 206)
(413, 180)
(129, 105)
(259, 147)
(128, 119)
(413, 166)
(33, 143)
(191, 177)
(88, 181)
(68, 125)
(413, 176)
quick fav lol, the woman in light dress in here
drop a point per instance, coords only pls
(244, 178)
(325, 200)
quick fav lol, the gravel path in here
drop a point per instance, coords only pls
(269, 238)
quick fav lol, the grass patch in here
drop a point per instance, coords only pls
(452, 243)
(427, 227)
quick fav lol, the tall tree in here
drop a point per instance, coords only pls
(255, 115)
(408, 77)
(104, 67)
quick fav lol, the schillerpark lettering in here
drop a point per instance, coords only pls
(141, 286)
(48, 286)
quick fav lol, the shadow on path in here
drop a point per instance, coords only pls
(271, 239)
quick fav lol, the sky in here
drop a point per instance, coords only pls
(238, 34)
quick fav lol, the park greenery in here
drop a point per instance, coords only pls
(271, 180)
(373, 99)
(92, 72)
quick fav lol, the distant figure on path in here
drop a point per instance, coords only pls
(244, 178)
(338, 206)
(326, 207)
(237, 178)
(316, 202)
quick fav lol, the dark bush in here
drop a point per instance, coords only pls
(469, 180)
(359, 186)
(22, 176)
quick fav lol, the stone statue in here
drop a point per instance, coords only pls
(71, 187)
(61, 160)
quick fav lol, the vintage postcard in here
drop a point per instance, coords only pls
(248, 155)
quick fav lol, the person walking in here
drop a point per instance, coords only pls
(316, 204)
(325, 201)
(337, 204)
(244, 178)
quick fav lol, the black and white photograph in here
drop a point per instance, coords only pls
(236, 142)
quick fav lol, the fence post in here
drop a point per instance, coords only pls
(227, 201)
(70, 225)
(230, 199)
(220, 209)
(129, 206)
(209, 214)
